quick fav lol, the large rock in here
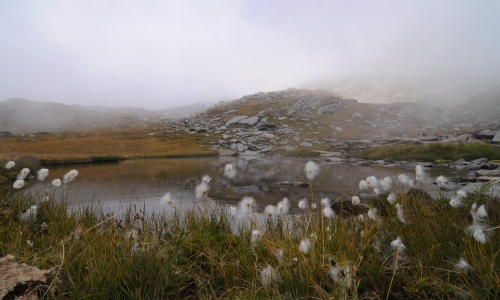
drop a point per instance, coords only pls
(241, 147)
(496, 138)
(336, 159)
(235, 120)
(227, 152)
(322, 104)
(488, 172)
(485, 135)
(249, 121)
(17, 280)
(457, 139)
(341, 145)
(267, 136)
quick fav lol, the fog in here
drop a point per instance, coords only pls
(159, 54)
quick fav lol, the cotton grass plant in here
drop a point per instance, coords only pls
(187, 254)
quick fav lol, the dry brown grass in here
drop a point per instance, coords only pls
(133, 142)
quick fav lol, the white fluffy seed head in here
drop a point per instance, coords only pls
(363, 185)
(18, 184)
(70, 176)
(478, 214)
(441, 180)
(421, 174)
(372, 181)
(10, 165)
(461, 193)
(206, 178)
(411, 183)
(283, 206)
(201, 189)
(403, 179)
(401, 213)
(256, 236)
(247, 206)
(355, 200)
(392, 198)
(462, 266)
(325, 201)
(303, 204)
(23, 174)
(269, 275)
(372, 214)
(397, 244)
(377, 191)
(305, 246)
(56, 182)
(385, 183)
(166, 200)
(42, 174)
(456, 201)
(328, 212)
(29, 214)
(229, 171)
(232, 211)
(481, 213)
(311, 169)
(477, 231)
(270, 210)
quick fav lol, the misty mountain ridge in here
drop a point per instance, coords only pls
(384, 89)
(389, 106)
(19, 115)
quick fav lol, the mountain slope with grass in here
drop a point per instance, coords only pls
(302, 120)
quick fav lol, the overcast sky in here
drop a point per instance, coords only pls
(159, 54)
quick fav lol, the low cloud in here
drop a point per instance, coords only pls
(158, 54)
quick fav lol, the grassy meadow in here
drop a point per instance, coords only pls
(106, 144)
(401, 247)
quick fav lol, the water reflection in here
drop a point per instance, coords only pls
(146, 181)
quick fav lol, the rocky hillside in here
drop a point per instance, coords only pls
(313, 119)
(23, 116)
(482, 110)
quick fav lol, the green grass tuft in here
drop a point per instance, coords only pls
(433, 152)
(108, 158)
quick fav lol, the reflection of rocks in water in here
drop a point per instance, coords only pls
(223, 160)
(242, 164)
(250, 189)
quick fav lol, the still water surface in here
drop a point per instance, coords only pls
(146, 181)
